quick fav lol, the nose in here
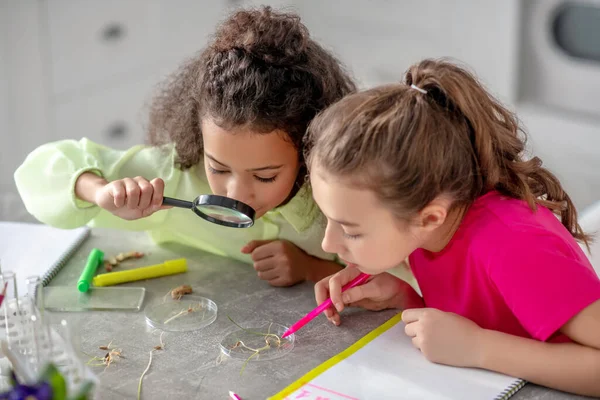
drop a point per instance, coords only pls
(239, 190)
(330, 243)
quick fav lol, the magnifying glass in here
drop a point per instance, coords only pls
(219, 210)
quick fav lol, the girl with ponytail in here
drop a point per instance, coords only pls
(432, 170)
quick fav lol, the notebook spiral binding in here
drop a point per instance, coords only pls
(55, 269)
(511, 390)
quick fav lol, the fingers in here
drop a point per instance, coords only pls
(331, 287)
(266, 270)
(158, 190)
(253, 245)
(416, 341)
(280, 282)
(119, 193)
(146, 192)
(264, 265)
(138, 194)
(336, 282)
(360, 292)
(133, 192)
(322, 294)
(266, 249)
(269, 275)
(412, 315)
(335, 319)
(411, 329)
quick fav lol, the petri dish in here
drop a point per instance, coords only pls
(265, 336)
(188, 314)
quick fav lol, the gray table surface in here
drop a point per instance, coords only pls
(188, 368)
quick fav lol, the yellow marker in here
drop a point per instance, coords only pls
(170, 267)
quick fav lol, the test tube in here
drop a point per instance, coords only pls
(11, 313)
(41, 352)
(66, 334)
(34, 291)
(40, 327)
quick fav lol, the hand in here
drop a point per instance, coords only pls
(443, 337)
(380, 292)
(278, 262)
(131, 198)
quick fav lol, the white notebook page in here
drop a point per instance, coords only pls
(390, 367)
(34, 249)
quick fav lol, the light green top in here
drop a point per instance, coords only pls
(46, 182)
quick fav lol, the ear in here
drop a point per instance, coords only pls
(433, 215)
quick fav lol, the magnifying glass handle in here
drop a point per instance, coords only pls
(169, 201)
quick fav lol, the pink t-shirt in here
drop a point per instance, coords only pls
(509, 269)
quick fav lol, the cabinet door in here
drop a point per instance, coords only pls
(93, 41)
(115, 117)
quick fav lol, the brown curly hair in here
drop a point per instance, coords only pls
(446, 136)
(261, 70)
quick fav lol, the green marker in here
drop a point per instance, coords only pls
(95, 258)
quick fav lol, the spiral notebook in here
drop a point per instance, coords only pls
(34, 249)
(385, 365)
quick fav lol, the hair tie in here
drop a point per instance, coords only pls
(413, 86)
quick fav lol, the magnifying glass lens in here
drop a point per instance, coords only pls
(217, 209)
(224, 214)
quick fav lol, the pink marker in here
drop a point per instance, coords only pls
(3, 293)
(359, 280)
(234, 396)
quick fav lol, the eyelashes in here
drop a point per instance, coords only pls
(266, 180)
(215, 171)
(258, 178)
